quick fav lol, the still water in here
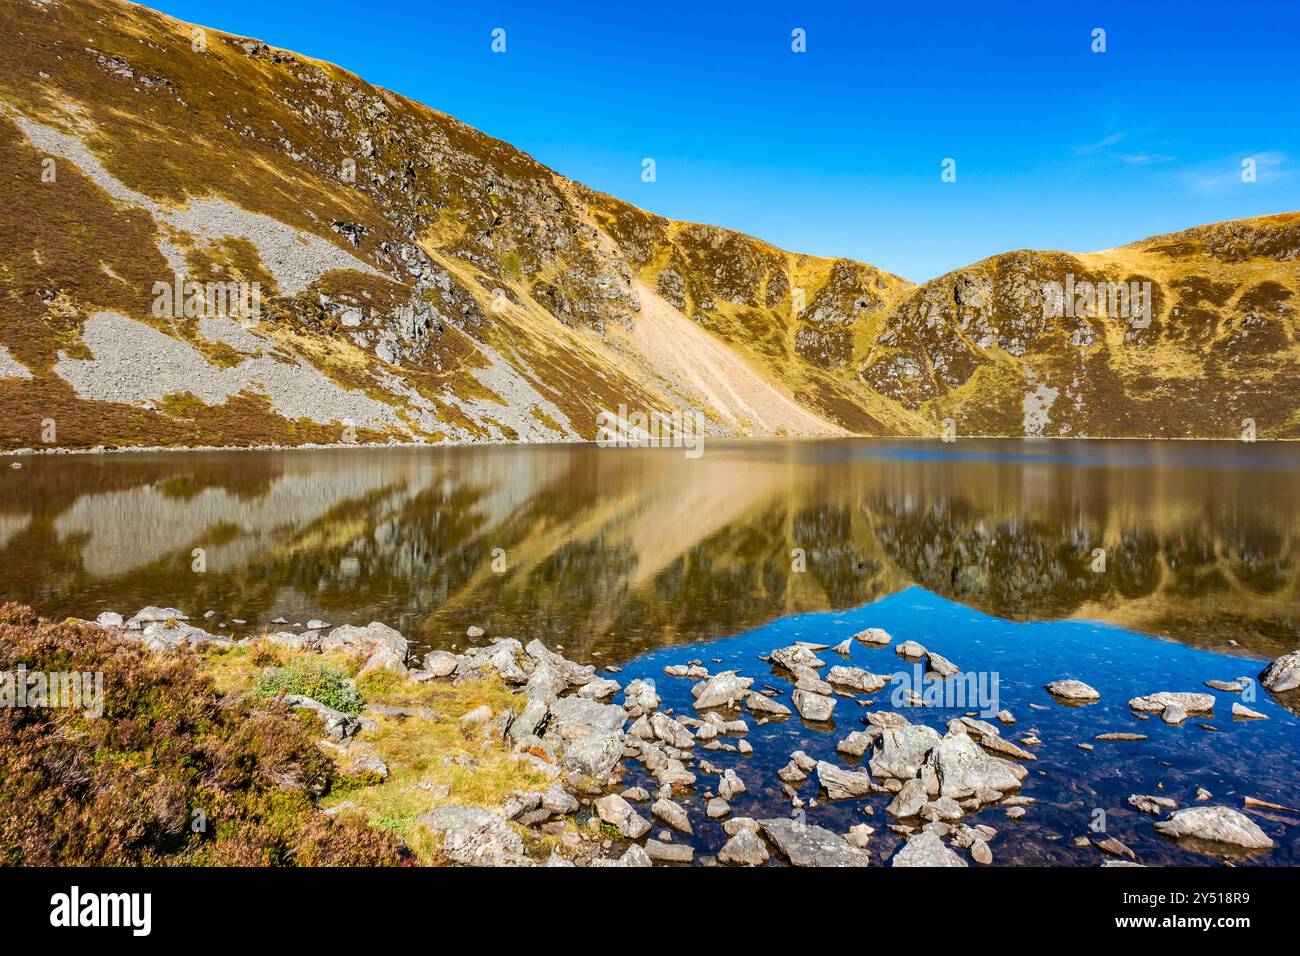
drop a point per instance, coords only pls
(1135, 566)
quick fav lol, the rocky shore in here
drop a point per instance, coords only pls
(572, 737)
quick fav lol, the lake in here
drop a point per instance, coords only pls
(1137, 567)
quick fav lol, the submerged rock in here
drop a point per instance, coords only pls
(1147, 803)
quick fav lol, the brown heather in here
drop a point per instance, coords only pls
(122, 788)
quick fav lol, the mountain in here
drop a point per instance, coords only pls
(214, 242)
(1215, 341)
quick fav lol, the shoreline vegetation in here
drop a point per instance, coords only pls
(336, 745)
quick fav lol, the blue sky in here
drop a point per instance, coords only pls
(837, 151)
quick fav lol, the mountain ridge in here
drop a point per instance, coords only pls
(422, 281)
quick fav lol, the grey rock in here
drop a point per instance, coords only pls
(763, 706)
(1242, 712)
(840, 784)
(660, 852)
(1190, 702)
(1219, 825)
(963, 769)
(925, 849)
(900, 751)
(909, 800)
(726, 689)
(743, 849)
(595, 754)
(796, 655)
(557, 800)
(857, 679)
(672, 814)
(1074, 690)
(813, 707)
(806, 845)
(873, 635)
(441, 663)
(1283, 674)
(474, 837)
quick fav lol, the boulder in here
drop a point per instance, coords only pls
(558, 800)
(909, 800)
(1072, 690)
(857, 679)
(1283, 674)
(855, 744)
(941, 665)
(963, 769)
(154, 615)
(1216, 825)
(1191, 703)
(796, 655)
(474, 837)
(365, 640)
(926, 849)
(873, 635)
(841, 784)
(743, 849)
(760, 705)
(671, 732)
(660, 852)
(672, 814)
(599, 689)
(730, 786)
(806, 845)
(813, 707)
(441, 663)
(595, 754)
(900, 751)
(726, 689)
(573, 716)
(383, 659)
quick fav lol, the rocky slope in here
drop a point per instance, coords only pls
(1206, 340)
(420, 281)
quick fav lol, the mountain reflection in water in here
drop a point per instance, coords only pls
(613, 552)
